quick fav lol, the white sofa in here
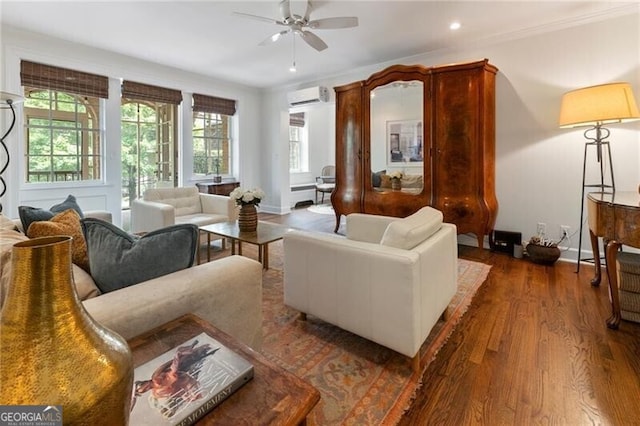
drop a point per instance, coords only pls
(160, 207)
(226, 292)
(389, 280)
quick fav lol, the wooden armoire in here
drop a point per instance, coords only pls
(453, 148)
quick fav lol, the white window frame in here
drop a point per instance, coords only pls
(29, 112)
(304, 151)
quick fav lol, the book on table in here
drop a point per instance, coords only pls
(185, 383)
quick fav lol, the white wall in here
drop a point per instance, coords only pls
(539, 166)
(17, 45)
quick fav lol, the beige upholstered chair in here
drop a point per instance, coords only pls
(326, 182)
(160, 207)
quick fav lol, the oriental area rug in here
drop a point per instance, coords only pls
(360, 382)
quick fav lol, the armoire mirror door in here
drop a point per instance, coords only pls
(396, 138)
(456, 125)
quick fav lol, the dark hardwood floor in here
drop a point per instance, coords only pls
(533, 348)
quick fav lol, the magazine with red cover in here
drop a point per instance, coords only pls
(185, 383)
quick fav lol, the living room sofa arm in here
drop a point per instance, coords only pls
(219, 204)
(149, 215)
(367, 227)
(210, 291)
(99, 214)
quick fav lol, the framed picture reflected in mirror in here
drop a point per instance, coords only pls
(404, 142)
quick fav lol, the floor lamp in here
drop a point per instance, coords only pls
(594, 107)
(7, 100)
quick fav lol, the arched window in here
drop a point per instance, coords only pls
(62, 133)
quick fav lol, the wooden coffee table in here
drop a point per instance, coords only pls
(273, 397)
(265, 233)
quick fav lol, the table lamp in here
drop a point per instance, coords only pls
(595, 106)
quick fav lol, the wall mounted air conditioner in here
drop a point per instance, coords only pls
(307, 96)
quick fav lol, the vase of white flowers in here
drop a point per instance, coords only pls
(396, 178)
(247, 199)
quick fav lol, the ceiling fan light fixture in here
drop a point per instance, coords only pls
(300, 24)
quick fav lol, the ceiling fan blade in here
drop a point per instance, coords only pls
(308, 11)
(258, 18)
(313, 40)
(285, 10)
(273, 38)
(334, 23)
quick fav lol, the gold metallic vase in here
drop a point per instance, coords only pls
(51, 351)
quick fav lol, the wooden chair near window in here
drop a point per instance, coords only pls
(326, 182)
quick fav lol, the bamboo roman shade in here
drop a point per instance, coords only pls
(212, 104)
(147, 92)
(296, 119)
(65, 80)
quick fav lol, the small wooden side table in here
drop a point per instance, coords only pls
(615, 218)
(220, 188)
(273, 397)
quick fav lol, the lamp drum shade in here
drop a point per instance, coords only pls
(594, 105)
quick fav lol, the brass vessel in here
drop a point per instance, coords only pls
(51, 351)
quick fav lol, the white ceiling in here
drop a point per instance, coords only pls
(206, 38)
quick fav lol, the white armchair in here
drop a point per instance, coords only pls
(389, 280)
(162, 207)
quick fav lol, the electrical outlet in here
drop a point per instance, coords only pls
(565, 231)
(542, 228)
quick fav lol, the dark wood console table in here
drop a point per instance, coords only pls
(615, 218)
(217, 188)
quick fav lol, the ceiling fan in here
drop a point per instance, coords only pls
(300, 25)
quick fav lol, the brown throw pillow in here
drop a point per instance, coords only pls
(65, 223)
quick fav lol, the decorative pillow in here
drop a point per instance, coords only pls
(385, 181)
(65, 223)
(119, 260)
(412, 181)
(6, 224)
(7, 239)
(412, 230)
(376, 178)
(85, 286)
(69, 203)
(32, 214)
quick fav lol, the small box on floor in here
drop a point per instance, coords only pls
(506, 242)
